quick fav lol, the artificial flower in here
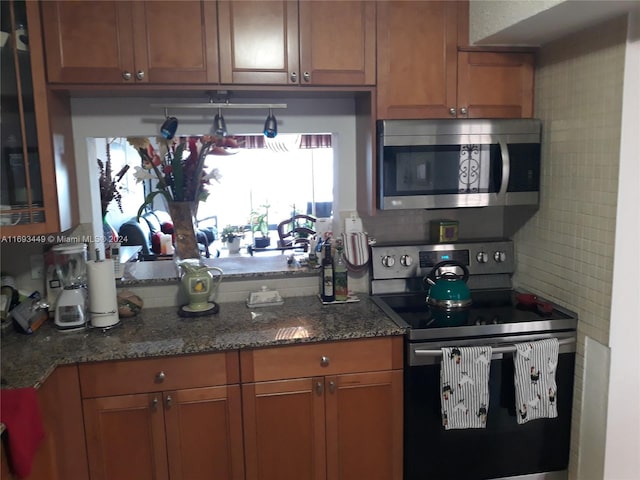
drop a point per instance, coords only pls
(108, 185)
(178, 166)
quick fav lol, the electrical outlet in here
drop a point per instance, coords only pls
(37, 266)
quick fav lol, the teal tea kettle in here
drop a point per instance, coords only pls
(448, 290)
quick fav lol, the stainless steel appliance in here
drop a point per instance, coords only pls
(537, 449)
(458, 163)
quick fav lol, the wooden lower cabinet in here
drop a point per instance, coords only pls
(333, 427)
(62, 453)
(172, 418)
(185, 434)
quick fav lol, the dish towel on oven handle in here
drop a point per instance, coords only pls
(535, 379)
(464, 383)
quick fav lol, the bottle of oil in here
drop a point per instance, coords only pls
(326, 289)
(340, 277)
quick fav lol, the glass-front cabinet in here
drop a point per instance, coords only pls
(37, 172)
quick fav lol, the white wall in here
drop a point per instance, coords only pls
(622, 454)
(488, 17)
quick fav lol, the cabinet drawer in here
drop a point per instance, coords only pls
(319, 359)
(158, 374)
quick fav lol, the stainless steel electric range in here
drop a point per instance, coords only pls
(504, 449)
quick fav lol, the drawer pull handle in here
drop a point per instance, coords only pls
(319, 388)
(324, 361)
(169, 401)
(160, 377)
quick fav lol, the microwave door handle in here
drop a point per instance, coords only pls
(504, 153)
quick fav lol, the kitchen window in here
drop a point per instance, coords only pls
(292, 173)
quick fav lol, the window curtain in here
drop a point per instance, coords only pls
(322, 140)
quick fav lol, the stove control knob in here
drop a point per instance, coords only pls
(499, 256)
(406, 260)
(482, 257)
(388, 261)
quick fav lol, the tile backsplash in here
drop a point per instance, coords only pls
(565, 252)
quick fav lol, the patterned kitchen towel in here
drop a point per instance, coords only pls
(464, 383)
(535, 379)
(356, 250)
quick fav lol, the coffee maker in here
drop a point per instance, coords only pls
(70, 261)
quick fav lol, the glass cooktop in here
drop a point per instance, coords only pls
(491, 312)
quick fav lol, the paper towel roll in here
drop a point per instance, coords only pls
(103, 302)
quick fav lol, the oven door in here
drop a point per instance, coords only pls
(504, 448)
(444, 175)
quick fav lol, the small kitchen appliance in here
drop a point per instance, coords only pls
(458, 163)
(498, 316)
(70, 261)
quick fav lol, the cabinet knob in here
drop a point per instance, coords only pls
(168, 401)
(463, 111)
(319, 388)
(127, 75)
(160, 377)
(140, 75)
(332, 387)
(452, 112)
(324, 361)
(294, 77)
(306, 76)
(154, 403)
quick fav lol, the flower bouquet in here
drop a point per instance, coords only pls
(178, 167)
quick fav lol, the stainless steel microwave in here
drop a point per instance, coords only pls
(456, 163)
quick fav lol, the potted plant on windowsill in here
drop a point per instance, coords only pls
(259, 222)
(231, 235)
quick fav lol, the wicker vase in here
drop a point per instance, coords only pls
(186, 244)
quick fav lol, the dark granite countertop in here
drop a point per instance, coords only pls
(27, 360)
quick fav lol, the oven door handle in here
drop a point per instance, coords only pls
(495, 350)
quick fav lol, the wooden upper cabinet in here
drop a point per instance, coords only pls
(495, 84)
(417, 56)
(38, 193)
(258, 42)
(131, 42)
(297, 43)
(337, 43)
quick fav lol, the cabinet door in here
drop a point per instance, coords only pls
(284, 430)
(89, 42)
(364, 426)
(126, 437)
(337, 43)
(204, 433)
(495, 85)
(417, 46)
(175, 42)
(258, 42)
(37, 168)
